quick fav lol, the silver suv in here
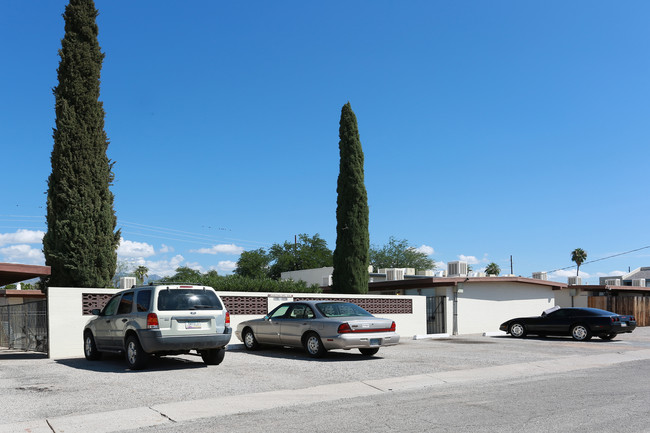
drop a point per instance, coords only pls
(160, 320)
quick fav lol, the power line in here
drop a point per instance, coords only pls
(601, 259)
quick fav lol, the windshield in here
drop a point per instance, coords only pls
(341, 309)
(188, 299)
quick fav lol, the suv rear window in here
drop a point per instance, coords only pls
(188, 299)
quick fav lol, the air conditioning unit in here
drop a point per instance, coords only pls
(440, 274)
(127, 282)
(638, 282)
(540, 276)
(393, 274)
(613, 282)
(426, 273)
(381, 270)
(575, 281)
(456, 269)
(327, 280)
(409, 271)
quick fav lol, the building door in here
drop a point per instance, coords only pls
(436, 317)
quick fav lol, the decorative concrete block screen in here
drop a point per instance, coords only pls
(90, 301)
(373, 305)
(246, 305)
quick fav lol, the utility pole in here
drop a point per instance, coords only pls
(511, 271)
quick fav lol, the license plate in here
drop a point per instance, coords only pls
(623, 324)
(375, 341)
(193, 325)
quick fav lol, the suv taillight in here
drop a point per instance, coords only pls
(152, 321)
(227, 318)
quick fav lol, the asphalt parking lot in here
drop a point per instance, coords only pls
(36, 388)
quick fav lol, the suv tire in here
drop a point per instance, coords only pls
(90, 349)
(136, 357)
(213, 356)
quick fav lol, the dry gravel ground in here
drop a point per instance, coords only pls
(33, 387)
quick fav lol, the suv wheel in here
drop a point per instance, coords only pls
(136, 357)
(213, 356)
(90, 349)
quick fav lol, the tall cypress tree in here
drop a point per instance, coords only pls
(81, 242)
(351, 256)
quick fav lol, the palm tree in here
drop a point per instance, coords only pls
(578, 256)
(141, 273)
(492, 269)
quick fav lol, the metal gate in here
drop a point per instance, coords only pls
(24, 326)
(436, 317)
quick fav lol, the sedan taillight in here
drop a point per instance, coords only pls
(615, 319)
(152, 321)
(344, 328)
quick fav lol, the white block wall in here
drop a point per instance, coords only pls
(66, 321)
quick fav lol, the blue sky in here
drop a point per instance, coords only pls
(489, 129)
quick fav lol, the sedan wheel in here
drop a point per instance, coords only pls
(580, 333)
(517, 330)
(314, 346)
(213, 356)
(250, 342)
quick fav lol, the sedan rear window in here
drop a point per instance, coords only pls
(188, 299)
(341, 309)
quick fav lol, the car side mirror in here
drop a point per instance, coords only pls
(267, 317)
(95, 311)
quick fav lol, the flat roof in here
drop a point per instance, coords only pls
(422, 283)
(14, 273)
(607, 287)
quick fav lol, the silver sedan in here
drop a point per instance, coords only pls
(319, 326)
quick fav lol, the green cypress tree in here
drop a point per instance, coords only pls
(351, 256)
(81, 242)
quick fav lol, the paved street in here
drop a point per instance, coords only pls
(469, 383)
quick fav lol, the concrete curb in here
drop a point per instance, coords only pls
(431, 336)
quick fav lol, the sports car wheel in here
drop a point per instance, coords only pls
(580, 332)
(314, 346)
(136, 357)
(250, 342)
(609, 336)
(517, 330)
(90, 349)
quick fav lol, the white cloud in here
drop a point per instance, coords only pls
(164, 268)
(22, 254)
(220, 249)
(566, 273)
(134, 249)
(441, 266)
(611, 274)
(426, 249)
(226, 266)
(22, 236)
(471, 260)
(166, 249)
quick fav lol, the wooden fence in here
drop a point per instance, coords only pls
(638, 306)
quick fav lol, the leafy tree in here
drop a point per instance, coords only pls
(351, 255)
(578, 256)
(186, 275)
(492, 269)
(81, 242)
(238, 283)
(253, 264)
(306, 253)
(398, 254)
(141, 272)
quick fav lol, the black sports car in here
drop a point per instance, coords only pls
(580, 323)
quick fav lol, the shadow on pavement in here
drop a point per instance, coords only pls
(9, 354)
(286, 352)
(114, 363)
